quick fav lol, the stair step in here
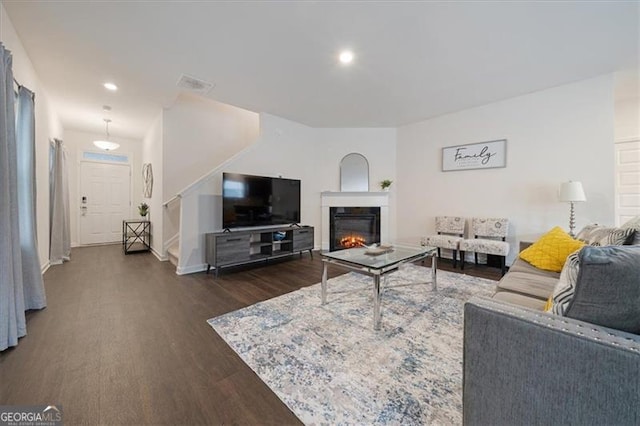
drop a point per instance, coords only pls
(174, 253)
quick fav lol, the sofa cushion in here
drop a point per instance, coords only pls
(532, 285)
(551, 250)
(521, 265)
(598, 235)
(635, 225)
(607, 291)
(565, 288)
(520, 300)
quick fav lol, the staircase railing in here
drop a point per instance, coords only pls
(217, 169)
(171, 200)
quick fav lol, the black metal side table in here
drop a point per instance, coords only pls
(136, 235)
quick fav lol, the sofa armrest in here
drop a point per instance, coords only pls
(525, 245)
(527, 367)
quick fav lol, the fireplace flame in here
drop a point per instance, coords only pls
(352, 241)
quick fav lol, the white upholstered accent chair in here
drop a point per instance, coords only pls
(450, 231)
(489, 235)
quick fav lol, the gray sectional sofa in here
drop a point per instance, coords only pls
(524, 366)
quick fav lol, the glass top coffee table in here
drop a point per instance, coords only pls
(376, 265)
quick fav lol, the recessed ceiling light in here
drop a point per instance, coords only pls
(110, 86)
(346, 57)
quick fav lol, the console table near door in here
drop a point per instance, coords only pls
(136, 235)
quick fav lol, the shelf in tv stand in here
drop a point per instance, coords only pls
(238, 247)
(259, 244)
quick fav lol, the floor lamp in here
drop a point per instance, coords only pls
(571, 192)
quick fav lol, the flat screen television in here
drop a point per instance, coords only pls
(259, 201)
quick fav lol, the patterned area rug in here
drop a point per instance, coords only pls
(328, 365)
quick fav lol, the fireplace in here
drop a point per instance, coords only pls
(380, 200)
(353, 227)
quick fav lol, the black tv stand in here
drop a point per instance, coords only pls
(245, 246)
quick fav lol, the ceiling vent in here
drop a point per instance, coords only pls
(193, 84)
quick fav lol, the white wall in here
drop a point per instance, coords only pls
(77, 142)
(377, 144)
(553, 136)
(627, 119)
(627, 104)
(152, 153)
(291, 150)
(200, 134)
(48, 126)
(283, 148)
(313, 155)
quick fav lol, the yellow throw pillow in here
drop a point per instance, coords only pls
(549, 304)
(551, 250)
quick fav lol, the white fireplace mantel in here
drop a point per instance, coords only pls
(355, 199)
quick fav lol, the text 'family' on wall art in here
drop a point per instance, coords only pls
(482, 155)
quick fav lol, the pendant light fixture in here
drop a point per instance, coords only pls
(106, 144)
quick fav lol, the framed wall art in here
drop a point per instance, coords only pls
(147, 180)
(481, 155)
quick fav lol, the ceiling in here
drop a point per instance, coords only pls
(413, 60)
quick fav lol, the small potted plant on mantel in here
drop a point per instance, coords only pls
(385, 184)
(143, 209)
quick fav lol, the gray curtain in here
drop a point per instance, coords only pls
(60, 239)
(34, 297)
(21, 285)
(12, 319)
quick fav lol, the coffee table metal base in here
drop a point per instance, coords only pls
(376, 274)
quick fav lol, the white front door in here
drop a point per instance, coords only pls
(104, 202)
(627, 181)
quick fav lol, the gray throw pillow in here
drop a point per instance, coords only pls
(634, 224)
(607, 291)
(598, 235)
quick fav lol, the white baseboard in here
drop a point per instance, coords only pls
(45, 267)
(191, 269)
(158, 255)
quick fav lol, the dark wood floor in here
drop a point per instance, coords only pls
(125, 341)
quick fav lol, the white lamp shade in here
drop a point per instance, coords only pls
(106, 145)
(571, 192)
